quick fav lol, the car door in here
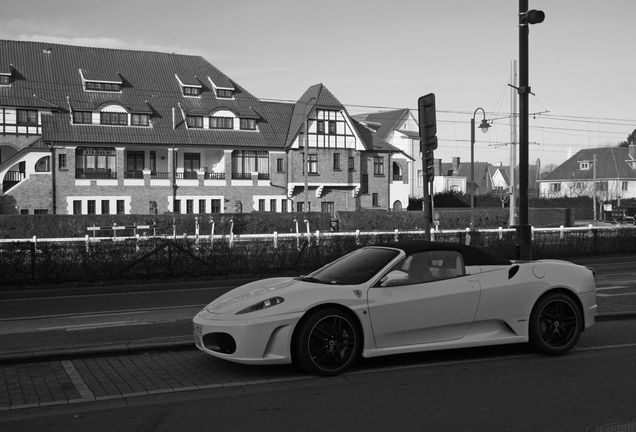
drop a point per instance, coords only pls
(440, 308)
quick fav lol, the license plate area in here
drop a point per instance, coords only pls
(198, 330)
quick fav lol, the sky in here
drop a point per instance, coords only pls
(378, 55)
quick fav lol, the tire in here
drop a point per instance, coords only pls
(555, 324)
(327, 342)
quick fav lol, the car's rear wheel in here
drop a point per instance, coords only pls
(555, 324)
(327, 342)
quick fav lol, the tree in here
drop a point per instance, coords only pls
(631, 140)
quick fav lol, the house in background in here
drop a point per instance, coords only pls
(612, 168)
(103, 131)
(401, 129)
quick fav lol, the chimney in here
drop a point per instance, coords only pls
(455, 165)
(438, 167)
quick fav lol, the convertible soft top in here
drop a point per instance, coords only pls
(472, 256)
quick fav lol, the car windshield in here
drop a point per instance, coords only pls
(355, 268)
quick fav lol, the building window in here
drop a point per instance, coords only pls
(121, 207)
(77, 207)
(135, 160)
(300, 206)
(224, 93)
(336, 162)
(82, 117)
(245, 162)
(191, 91)
(113, 118)
(601, 186)
(215, 206)
(95, 162)
(27, 117)
(191, 162)
(61, 161)
(221, 123)
(152, 207)
(248, 124)
(194, 121)
(177, 206)
(364, 184)
(378, 165)
(261, 205)
(312, 164)
(625, 186)
(90, 207)
(140, 119)
(43, 164)
(189, 206)
(201, 206)
(5, 79)
(320, 127)
(41, 211)
(332, 127)
(279, 165)
(105, 207)
(272, 205)
(555, 187)
(352, 163)
(375, 201)
(283, 205)
(100, 86)
(584, 165)
(328, 207)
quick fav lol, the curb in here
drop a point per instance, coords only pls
(176, 344)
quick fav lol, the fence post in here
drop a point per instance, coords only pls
(33, 258)
(467, 236)
(87, 248)
(275, 239)
(357, 237)
(395, 236)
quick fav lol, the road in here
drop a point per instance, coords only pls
(81, 319)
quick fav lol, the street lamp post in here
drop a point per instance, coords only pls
(484, 128)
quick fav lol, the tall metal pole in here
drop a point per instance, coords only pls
(306, 161)
(524, 230)
(472, 172)
(513, 147)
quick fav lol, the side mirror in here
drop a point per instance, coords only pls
(396, 277)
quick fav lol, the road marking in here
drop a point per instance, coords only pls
(78, 381)
(93, 326)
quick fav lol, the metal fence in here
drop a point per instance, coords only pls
(146, 256)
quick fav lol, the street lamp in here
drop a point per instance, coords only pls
(484, 128)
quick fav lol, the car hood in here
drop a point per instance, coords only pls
(254, 292)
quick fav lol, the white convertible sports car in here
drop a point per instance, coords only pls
(396, 298)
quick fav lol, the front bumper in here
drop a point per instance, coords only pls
(264, 340)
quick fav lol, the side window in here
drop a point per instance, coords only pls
(425, 267)
(446, 264)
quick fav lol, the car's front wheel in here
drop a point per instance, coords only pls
(555, 324)
(327, 342)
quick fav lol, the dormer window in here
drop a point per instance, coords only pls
(191, 91)
(584, 165)
(82, 117)
(248, 124)
(140, 120)
(5, 79)
(102, 86)
(113, 118)
(194, 121)
(224, 93)
(221, 123)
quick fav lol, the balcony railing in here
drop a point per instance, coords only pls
(215, 175)
(263, 176)
(241, 176)
(398, 177)
(95, 174)
(188, 175)
(133, 175)
(160, 175)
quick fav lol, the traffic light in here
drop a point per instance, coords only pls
(429, 162)
(428, 122)
(428, 129)
(534, 16)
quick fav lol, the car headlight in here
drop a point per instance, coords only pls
(265, 304)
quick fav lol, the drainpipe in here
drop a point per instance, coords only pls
(53, 180)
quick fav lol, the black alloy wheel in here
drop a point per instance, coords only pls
(555, 324)
(327, 342)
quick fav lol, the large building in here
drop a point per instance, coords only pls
(104, 131)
